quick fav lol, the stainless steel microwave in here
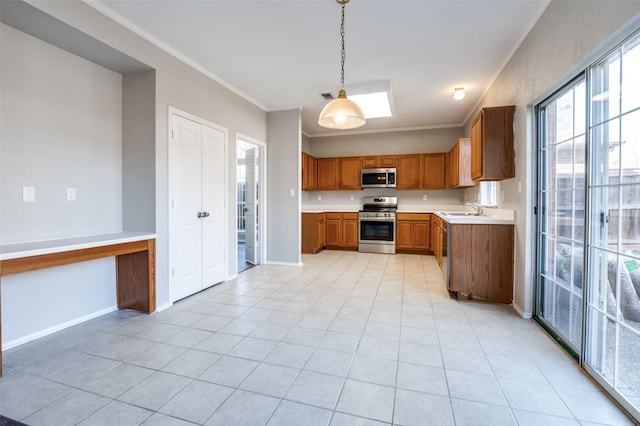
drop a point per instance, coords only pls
(378, 178)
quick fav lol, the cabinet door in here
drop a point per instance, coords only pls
(333, 237)
(321, 235)
(433, 171)
(476, 147)
(350, 173)
(327, 173)
(454, 166)
(408, 171)
(349, 233)
(309, 172)
(370, 162)
(387, 161)
(404, 234)
(421, 235)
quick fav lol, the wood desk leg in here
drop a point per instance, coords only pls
(135, 280)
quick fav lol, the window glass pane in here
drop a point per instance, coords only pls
(488, 193)
(549, 168)
(605, 143)
(580, 106)
(601, 344)
(630, 73)
(548, 210)
(601, 295)
(604, 217)
(564, 117)
(628, 380)
(629, 282)
(579, 160)
(605, 90)
(630, 145)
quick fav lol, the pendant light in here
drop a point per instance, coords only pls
(342, 113)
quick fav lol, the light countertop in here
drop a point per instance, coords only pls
(36, 248)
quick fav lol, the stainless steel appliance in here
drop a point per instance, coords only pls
(378, 178)
(377, 225)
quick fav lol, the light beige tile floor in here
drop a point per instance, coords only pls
(346, 339)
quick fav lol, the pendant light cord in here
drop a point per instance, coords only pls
(342, 51)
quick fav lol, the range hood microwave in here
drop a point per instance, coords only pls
(378, 178)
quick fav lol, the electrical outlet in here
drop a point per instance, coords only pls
(319, 197)
(71, 194)
(352, 198)
(424, 197)
(519, 187)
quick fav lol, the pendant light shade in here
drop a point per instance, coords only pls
(342, 113)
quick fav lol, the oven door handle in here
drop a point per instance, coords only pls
(378, 219)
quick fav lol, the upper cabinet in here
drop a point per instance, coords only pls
(433, 171)
(460, 164)
(328, 174)
(492, 154)
(309, 172)
(408, 171)
(378, 161)
(349, 173)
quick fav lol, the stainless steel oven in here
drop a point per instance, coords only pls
(377, 225)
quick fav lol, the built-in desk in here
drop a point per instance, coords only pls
(135, 255)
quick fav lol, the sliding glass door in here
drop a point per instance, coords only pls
(589, 253)
(561, 153)
(612, 346)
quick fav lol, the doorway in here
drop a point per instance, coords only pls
(249, 202)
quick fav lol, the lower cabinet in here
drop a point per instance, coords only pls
(413, 232)
(342, 230)
(313, 232)
(481, 262)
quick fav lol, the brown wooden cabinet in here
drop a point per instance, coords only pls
(413, 232)
(313, 232)
(492, 153)
(309, 172)
(481, 262)
(349, 173)
(378, 161)
(328, 174)
(460, 164)
(342, 230)
(408, 171)
(437, 236)
(433, 171)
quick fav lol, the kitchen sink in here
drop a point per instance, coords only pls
(458, 214)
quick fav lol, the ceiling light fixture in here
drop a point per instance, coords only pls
(342, 113)
(458, 93)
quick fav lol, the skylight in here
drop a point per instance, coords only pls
(374, 98)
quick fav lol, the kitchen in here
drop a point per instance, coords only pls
(144, 168)
(421, 228)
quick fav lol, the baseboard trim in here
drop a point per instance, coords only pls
(22, 340)
(522, 313)
(164, 306)
(275, 262)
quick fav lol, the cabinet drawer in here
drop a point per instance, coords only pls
(353, 216)
(413, 216)
(333, 216)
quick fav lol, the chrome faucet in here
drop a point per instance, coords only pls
(477, 207)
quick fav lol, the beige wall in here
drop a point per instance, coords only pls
(568, 36)
(435, 140)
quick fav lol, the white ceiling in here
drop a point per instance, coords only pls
(282, 54)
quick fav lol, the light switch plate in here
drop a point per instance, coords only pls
(71, 194)
(292, 192)
(29, 194)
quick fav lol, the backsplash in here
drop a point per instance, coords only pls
(354, 198)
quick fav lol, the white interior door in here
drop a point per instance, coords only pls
(186, 197)
(213, 205)
(251, 206)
